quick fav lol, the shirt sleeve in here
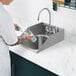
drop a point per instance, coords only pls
(7, 30)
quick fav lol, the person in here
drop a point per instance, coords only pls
(7, 38)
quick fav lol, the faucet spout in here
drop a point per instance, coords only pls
(49, 16)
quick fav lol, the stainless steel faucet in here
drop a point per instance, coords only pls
(49, 28)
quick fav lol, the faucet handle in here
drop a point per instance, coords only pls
(48, 30)
(51, 29)
(55, 29)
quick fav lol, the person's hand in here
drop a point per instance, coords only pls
(20, 40)
(23, 37)
(17, 27)
(26, 36)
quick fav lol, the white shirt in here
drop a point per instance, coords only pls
(7, 35)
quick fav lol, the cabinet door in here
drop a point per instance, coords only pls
(23, 67)
(12, 64)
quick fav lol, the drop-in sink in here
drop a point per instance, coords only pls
(44, 39)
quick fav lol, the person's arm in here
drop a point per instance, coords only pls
(9, 36)
(20, 41)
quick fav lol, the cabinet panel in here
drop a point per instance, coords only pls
(23, 67)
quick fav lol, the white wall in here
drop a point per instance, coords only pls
(29, 9)
(66, 18)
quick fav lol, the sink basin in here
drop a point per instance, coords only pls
(44, 39)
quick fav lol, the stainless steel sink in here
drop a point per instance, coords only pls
(44, 39)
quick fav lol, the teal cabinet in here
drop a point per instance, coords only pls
(23, 67)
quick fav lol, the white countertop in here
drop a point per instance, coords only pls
(59, 58)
